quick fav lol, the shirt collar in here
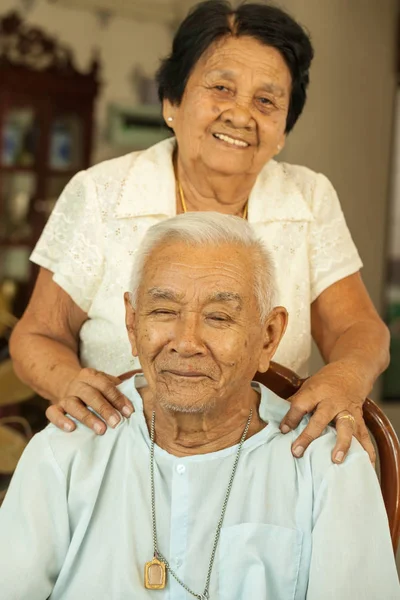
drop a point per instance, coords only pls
(149, 189)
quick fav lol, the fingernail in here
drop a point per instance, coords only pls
(113, 421)
(285, 428)
(68, 427)
(298, 451)
(98, 428)
(127, 411)
(339, 456)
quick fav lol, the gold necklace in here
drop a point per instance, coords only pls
(182, 198)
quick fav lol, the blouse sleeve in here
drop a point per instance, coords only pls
(70, 245)
(333, 254)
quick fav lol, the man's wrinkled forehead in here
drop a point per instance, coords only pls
(218, 273)
(234, 299)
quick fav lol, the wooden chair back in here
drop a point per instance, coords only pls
(285, 383)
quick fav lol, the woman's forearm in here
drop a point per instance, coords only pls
(363, 352)
(45, 364)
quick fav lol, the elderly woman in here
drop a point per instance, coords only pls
(232, 89)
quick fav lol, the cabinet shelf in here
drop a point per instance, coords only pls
(17, 169)
(28, 243)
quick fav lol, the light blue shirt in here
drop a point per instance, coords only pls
(76, 522)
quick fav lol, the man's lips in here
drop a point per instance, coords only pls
(179, 373)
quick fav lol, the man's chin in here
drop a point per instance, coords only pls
(186, 406)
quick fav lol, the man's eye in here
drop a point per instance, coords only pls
(219, 318)
(162, 311)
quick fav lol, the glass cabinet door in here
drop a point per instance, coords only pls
(19, 138)
(66, 142)
(17, 190)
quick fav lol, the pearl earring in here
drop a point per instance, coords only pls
(170, 119)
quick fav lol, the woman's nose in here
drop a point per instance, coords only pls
(238, 114)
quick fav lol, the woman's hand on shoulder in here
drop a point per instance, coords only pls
(330, 393)
(95, 390)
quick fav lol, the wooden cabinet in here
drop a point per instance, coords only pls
(46, 127)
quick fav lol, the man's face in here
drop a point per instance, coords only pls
(196, 327)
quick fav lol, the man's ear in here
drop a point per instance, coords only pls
(274, 328)
(130, 322)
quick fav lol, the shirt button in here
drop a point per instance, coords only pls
(180, 469)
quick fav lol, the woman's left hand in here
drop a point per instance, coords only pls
(330, 393)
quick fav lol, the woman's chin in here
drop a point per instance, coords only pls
(227, 165)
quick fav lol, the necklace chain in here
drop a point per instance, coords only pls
(157, 553)
(183, 202)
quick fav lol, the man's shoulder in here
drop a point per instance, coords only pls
(318, 455)
(82, 444)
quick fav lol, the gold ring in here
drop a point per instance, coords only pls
(348, 416)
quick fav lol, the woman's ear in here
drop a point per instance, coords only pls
(274, 328)
(168, 112)
(130, 322)
(281, 144)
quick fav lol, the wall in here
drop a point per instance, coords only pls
(394, 225)
(346, 130)
(124, 44)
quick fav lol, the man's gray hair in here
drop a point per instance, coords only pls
(211, 229)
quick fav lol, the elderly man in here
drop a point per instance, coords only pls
(198, 494)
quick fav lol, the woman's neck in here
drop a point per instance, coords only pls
(204, 190)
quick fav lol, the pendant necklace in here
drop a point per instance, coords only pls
(155, 571)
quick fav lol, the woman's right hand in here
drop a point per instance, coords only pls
(90, 389)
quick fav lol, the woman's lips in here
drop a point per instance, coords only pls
(233, 142)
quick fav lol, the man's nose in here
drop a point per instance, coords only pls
(188, 340)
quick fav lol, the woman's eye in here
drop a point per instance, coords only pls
(221, 88)
(265, 101)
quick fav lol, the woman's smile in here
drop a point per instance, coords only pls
(231, 142)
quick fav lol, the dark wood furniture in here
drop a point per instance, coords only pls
(285, 383)
(46, 126)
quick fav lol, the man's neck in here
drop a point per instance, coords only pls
(188, 434)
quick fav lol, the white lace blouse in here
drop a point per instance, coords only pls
(97, 225)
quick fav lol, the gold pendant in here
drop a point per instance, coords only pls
(154, 575)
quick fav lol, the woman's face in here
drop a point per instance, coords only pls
(232, 116)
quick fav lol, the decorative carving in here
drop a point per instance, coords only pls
(23, 45)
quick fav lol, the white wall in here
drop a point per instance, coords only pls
(124, 44)
(394, 224)
(346, 130)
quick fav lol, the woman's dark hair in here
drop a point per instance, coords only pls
(213, 20)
